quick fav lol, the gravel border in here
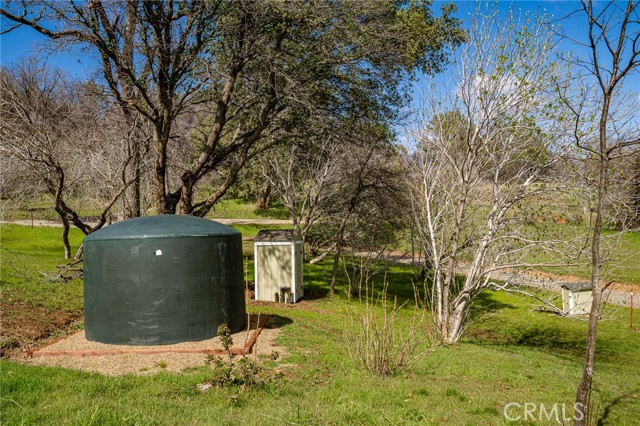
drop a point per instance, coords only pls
(146, 364)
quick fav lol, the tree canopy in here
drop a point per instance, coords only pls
(244, 75)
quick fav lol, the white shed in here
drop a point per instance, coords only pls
(576, 298)
(278, 259)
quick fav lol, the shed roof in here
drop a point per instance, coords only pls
(577, 286)
(286, 235)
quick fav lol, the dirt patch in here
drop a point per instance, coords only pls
(624, 287)
(23, 327)
(144, 364)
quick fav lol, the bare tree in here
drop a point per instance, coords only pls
(481, 154)
(305, 177)
(605, 128)
(57, 137)
(366, 209)
(342, 188)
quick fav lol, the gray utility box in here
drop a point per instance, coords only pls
(278, 259)
(576, 298)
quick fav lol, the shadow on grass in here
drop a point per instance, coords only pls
(559, 335)
(318, 276)
(546, 334)
(277, 321)
(316, 279)
(315, 292)
(487, 303)
(624, 399)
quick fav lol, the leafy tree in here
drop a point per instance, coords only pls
(246, 71)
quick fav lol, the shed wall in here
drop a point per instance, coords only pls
(274, 270)
(582, 302)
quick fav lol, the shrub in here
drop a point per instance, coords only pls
(376, 339)
(243, 373)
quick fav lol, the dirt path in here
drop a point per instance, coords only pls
(57, 224)
(618, 294)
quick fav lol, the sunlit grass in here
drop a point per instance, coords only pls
(510, 353)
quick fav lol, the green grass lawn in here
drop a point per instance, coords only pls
(511, 353)
(623, 251)
(238, 208)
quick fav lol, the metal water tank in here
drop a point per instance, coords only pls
(162, 279)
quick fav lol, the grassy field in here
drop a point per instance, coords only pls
(237, 208)
(42, 208)
(511, 353)
(622, 250)
(625, 268)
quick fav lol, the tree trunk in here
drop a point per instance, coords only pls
(264, 198)
(59, 207)
(584, 389)
(134, 149)
(635, 191)
(65, 237)
(334, 272)
(186, 194)
(132, 197)
(159, 176)
(336, 259)
(456, 318)
(80, 252)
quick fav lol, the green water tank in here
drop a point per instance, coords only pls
(162, 279)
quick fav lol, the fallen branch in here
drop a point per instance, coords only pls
(551, 307)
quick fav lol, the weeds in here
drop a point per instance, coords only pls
(244, 372)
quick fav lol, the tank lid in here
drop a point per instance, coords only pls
(161, 226)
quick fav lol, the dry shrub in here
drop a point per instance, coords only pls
(379, 341)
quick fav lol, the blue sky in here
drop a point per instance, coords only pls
(24, 41)
(558, 12)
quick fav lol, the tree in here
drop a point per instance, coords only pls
(605, 128)
(305, 177)
(341, 187)
(365, 209)
(61, 141)
(635, 190)
(480, 156)
(247, 70)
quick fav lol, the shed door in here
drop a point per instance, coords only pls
(274, 270)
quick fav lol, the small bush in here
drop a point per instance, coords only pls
(243, 373)
(377, 341)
